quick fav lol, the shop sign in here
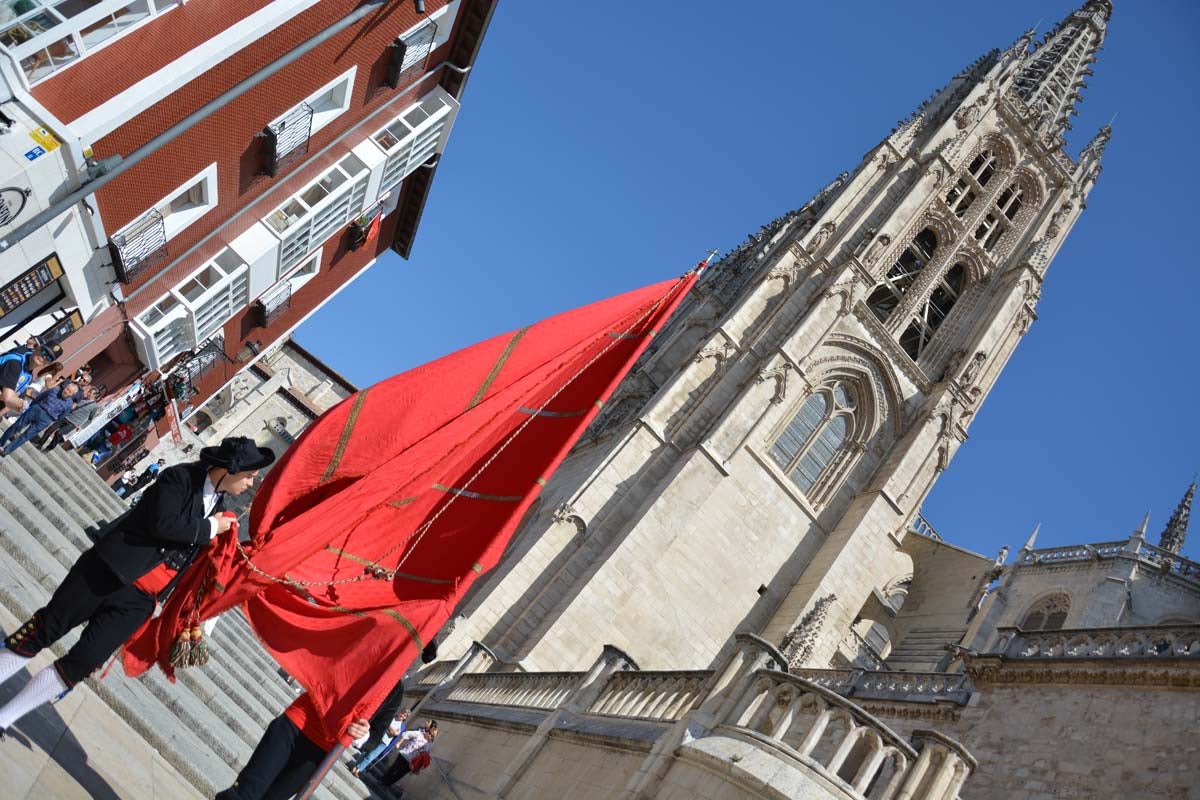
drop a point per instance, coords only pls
(111, 409)
(45, 139)
(12, 203)
(24, 287)
(173, 419)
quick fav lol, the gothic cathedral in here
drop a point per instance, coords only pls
(761, 474)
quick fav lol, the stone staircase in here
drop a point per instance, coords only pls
(206, 725)
(923, 650)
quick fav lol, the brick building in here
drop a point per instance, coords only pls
(185, 182)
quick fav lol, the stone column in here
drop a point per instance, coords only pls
(731, 679)
(950, 770)
(580, 699)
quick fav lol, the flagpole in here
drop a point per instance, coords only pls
(318, 775)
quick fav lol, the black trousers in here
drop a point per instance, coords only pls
(399, 768)
(89, 593)
(279, 765)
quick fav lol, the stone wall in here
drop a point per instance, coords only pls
(1050, 741)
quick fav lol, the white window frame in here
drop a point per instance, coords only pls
(326, 111)
(293, 275)
(175, 222)
(309, 230)
(71, 29)
(412, 145)
(191, 321)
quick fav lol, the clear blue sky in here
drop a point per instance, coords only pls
(601, 147)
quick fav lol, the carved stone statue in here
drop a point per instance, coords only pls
(821, 237)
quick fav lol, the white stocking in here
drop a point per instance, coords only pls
(45, 686)
(10, 663)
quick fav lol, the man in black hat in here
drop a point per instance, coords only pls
(113, 586)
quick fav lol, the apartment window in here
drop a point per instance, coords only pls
(307, 220)
(47, 35)
(189, 202)
(278, 299)
(143, 242)
(410, 53)
(196, 309)
(332, 100)
(411, 138)
(288, 136)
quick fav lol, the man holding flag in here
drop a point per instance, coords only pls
(386, 510)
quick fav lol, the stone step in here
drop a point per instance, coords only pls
(206, 724)
(71, 465)
(41, 509)
(82, 510)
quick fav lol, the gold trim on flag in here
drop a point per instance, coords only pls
(368, 563)
(535, 412)
(344, 439)
(402, 502)
(499, 498)
(487, 382)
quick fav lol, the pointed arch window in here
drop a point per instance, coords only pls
(820, 430)
(970, 186)
(945, 294)
(903, 274)
(1000, 217)
(1048, 615)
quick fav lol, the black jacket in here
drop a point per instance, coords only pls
(167, 525)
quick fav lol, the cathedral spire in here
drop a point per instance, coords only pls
(1176, 530)
(1051, 78)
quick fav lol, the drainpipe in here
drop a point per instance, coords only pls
(111, 168)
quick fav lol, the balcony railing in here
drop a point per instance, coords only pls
(272, 305)
(188, 372)
(410, 54)
(286, 141)
(1152, 641)
(139, 246)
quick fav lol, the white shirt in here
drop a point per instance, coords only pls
(209, 498)
(413, 742)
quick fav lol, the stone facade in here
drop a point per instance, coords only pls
(885, 309)
(761, 471)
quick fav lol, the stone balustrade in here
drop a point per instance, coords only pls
(1170, 562)
(925, 687)
(1164, 560)
(436, 673)
(662, 696)
(826, 733)
(922, 526)
(1166, 641)
(544, 690)
(1075, 552)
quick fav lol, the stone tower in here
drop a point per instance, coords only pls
(773, 445)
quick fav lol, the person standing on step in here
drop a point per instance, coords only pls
(113, 587)
(49, 406)
(296, 742)
(413, 745)
(16, 372)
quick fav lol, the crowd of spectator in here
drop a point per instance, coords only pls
(42, 403)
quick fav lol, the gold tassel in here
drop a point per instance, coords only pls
(200, 651)
(181, 651)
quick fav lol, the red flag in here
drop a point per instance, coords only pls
(384, 512)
